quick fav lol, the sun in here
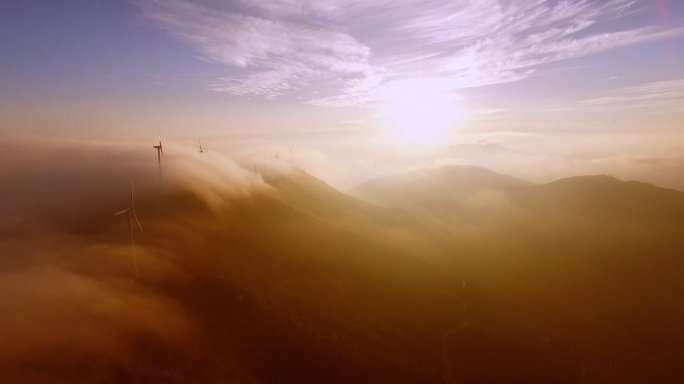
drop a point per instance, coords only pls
(421, 111)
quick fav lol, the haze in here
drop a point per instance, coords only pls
(388, 191)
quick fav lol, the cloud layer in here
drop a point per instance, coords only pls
(306, 276)
(665, 95)
(338, 52)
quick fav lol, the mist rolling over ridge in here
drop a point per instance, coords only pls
(281, 278)
(341, 191)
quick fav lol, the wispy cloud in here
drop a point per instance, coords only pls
(487, 113)
(346, 49)
(661, 93)
(277, 53)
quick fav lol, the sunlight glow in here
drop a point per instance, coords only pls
(421, 111)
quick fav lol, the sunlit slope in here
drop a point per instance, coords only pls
(580, 259)
(605, 197)
(452, 194)
(444, 183)
(296, 282)
(278, 286)
(317, 199)
(365, 285)
(470, 193)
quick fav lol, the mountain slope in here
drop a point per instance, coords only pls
(451, 193)
(466, 191)
(314, 197)
(606, 196)
(295, 282)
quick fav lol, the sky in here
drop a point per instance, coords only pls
(568, 86)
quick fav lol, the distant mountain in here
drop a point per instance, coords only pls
(449, 192)
(576, 260)
(457, 153)
(469, 151)
(314, 197)
(472, 193)
(453, 274)
(602, 197)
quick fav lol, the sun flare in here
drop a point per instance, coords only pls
(421, 111)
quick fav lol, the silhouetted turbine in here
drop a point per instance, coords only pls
(130, 211)
(160, 151)
(200, 143)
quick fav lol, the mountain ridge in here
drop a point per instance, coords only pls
(295, 274)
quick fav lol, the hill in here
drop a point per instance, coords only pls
(450, 193)
(460, 275)
(593, 253)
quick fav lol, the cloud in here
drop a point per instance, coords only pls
(66, 263)
(53, 308)
(487, 42)
(487, 113)
(537, 167)
(348, 49)
(281, 271)
(42, 175)
(66, 267)
(278, 53)
(663, 95)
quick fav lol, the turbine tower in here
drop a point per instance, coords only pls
(130, 211)
(160, 152)
(200, 143)
(291, 148)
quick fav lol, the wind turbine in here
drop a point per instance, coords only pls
(130, 211)
(291, 148)
(160, 151)
(276, 156)
(200, 143)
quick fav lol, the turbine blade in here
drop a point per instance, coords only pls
(161, 149)
(136, 219)
(120, 212)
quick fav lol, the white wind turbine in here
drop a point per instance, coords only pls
(160, 151)
(130, 211)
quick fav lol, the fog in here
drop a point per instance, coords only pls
(543, 166)
(448, 274)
